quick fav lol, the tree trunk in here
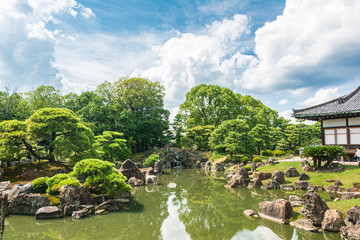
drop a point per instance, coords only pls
(314, 161)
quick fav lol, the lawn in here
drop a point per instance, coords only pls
(349, 175)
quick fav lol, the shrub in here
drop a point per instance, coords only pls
(40, 185)
(278, 153)
(267, 153)
(290, 152)
(56, 182)
(151, 160)
(247, 167)
(101, 177)
(245, 159)
(256, 159)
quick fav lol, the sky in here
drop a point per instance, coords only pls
(289, 54)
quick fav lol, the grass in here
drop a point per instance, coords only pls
(349, 175)
(24, 173)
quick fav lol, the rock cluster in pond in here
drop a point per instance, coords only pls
(239, 179)
(129, 170)
(73, 198)
(314, 207)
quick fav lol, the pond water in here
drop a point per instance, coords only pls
(186, 205)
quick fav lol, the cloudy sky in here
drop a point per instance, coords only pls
(289, 54)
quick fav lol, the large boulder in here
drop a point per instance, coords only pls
(158, 167)
(217, 167)
(151, 179)
(350, 195)
(352, 216)
(314, 207)
(136, 182)
(262, 175)
(303, 177)
(244, 172)
(350, 232)
(305, 164)
(48, 212)
(302, 185)
(271, 185)
(292, 172)
(332, 220)
(287, 187)
(238, 180)
(279, 176)
(255, 183)
(304, 224)
(28, 203)
(19, 189)
(5, 186)
(279, 210)
(129, 170)
(71, 198)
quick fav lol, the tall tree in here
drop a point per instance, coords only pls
(44, 97)
(261, 136)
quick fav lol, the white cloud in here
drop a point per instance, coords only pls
(189, 59)
(287, 115)
(321, 96)
(28, 45)
(283, 101)
(312, 43)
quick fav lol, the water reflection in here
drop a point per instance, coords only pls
(187, 205)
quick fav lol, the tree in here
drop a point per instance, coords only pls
(199, 136)
(101, 176)
(232, 137)
(13, 106)
(112, 147)
(44, 97)
(179, 129)
(261, 136)
(48, 133)
(210, 105)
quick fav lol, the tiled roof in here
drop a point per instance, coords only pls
(346, 105)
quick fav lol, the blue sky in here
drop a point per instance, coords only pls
(289, 54)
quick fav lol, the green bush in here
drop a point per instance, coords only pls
(290, 152)
(236, 158)
(245, 159)
(56, 182)
(101, 177)
(40, 185)
(267, 153)
(247, 167)
(277, 153)
(256, 159)
(151, 160)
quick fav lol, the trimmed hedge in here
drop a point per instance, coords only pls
(40, 184)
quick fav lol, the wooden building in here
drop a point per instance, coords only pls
(340, 120)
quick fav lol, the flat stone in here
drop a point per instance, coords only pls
(304, 224)
(48, 212)
(287, 187)
(350, 195)
(302, 185)
(251, 213)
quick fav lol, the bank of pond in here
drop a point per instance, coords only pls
(193, 204)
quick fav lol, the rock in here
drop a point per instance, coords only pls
(336, 166)
(238, 180)
(356, 184)
(100, 211)
(151, 179)
(207, 166)
(217, 167)
(255, 183)
(304, 176)
(329, 180)
(136, 182)
(253, 167)
(332, 220)
(305, 164)
(334, 189)
(244, 172)
(279, 176)
(272, 184)
(110, 205)
(262, 175)
(350, 233)
(297, 203)
(260, 164)
(270, 161)
(279, 210)
(292, 172)
(314, 207)
(251, 213)
(350, 195)
(19, 189)
(287, 187)
(304, 224)
(28, 203)
(149, 171)
(85, 211)
(1, 174)
(129, 170)
(48, 212)
(71, 198)
(158, 167)
(302, 185)
(5, 186)
(317, 188)
(352, 216)
(3, 212)
(293, 198)
(338, 183)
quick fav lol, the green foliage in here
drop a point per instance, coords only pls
(278, 153)
(266, 153)
(151, 160)
(54, 200)
(256, 159)
(44, 97)
(245, 159)
(247, 167)
(112, 147)
(290, 152)
(199, 136)
(232, 137)
(40, 184)
(261, 136)
(317, 153)
(59, 180)
(101, 176)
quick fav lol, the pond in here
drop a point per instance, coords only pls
(186, 205)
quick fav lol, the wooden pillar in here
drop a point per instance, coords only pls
(322, 133)
(347, 134)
